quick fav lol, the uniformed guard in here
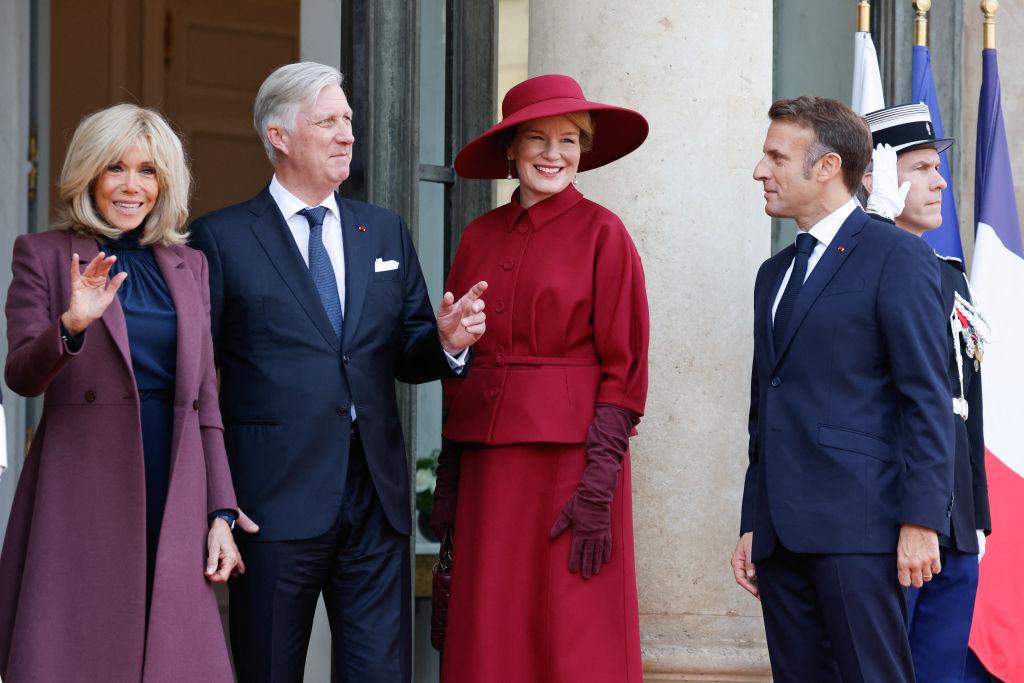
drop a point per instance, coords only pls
(906, 187)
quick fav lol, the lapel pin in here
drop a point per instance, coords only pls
(841, 248)
(361, 228)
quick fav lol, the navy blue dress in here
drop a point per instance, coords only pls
(152, 324)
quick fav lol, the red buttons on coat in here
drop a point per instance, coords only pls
(90, 396)
(523, 229)
(499, 307)
(494, 391)
(195, 404)
(507, 265)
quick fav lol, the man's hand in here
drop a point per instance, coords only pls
(742, 568)
(917, 555)
(223, 559)
(461, 323)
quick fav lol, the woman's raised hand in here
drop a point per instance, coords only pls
(91, 291)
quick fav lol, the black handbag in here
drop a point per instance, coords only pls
(442, 587)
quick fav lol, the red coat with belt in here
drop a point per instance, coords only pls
(73, 569)
(567, 323)
(567, 329)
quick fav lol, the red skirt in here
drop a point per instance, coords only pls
(516, 614)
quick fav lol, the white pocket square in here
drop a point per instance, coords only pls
(382, 266)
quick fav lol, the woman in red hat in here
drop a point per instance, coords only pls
(537, 435)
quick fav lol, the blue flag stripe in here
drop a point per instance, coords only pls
(946, 238)
(994, 201)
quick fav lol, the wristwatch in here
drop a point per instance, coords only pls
(227, 515)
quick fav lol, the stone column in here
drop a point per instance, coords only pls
(702, 74)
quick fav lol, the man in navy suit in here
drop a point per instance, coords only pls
(906, 186)
(851, 465)
(318, 305)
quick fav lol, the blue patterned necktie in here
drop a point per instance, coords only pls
(321, 269)
(804, 246)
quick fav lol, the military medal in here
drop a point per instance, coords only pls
(969, 326)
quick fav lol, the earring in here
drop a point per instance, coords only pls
(575, 180)
(509, 176)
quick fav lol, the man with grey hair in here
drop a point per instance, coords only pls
(318, 305)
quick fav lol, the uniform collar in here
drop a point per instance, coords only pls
(290, 205)
(542, 212)
(952, 260)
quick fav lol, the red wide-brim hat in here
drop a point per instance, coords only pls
(617, 131)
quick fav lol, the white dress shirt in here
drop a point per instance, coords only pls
(290, 206)
(824, 231)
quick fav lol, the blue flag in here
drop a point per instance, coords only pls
(946, 238)
(997, 281)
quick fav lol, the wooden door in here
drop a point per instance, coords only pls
(203, 63)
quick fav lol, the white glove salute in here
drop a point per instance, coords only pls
(887, 196)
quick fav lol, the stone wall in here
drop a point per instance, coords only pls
(702, 74)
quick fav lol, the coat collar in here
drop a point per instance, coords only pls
(112, 318)
(542, 212)
(184, 290)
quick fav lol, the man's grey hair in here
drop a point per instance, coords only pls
(817, 150)
(290, 88)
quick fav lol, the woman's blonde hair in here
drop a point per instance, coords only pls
(103, 138)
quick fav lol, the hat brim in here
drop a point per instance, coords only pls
(940, 145)
(617, 132)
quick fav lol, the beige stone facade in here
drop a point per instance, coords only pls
(696, 215)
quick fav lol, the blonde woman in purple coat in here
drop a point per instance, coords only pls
(122, 518)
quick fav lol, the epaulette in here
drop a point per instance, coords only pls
(954, 261)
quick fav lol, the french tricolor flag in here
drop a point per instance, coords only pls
(997, 281)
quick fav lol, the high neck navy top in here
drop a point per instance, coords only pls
(148, 312)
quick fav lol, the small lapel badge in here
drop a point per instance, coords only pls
(361, 228)
(841, 248)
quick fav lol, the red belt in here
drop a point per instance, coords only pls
(508, 359)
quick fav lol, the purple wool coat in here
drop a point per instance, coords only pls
(73, 568)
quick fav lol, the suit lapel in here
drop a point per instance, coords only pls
(828, 265)
(358, 259)
(272, 233)
(113, 317)
(764, 314)
(181, 283)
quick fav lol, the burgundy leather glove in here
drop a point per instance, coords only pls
(446, 490)
(588, 512)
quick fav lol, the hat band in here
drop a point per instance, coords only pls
(905, 133)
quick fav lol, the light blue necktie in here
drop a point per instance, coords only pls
(321, 269)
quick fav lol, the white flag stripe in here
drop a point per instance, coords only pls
(867, 80)
(997, 282)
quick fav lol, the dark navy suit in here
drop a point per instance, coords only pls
(850, 436)
(940, 613)
(333, 504)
